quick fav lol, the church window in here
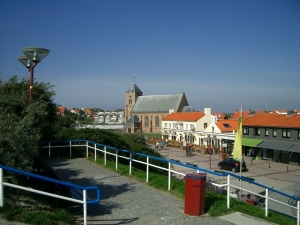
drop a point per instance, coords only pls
(157, 121)
(146, 121)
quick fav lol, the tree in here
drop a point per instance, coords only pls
(24, 126)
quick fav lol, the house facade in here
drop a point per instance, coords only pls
(202, 129)
(273, 137)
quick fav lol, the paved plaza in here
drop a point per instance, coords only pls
(126, 201)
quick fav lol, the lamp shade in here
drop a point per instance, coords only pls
(35, 54)
(25, 61)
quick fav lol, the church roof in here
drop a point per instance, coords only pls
(157, 103)
(134, 88)
(188, 109)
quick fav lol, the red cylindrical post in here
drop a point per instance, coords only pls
(251, 162)
(269, 165)
(31, 82)
(209, 160)
(287, 168)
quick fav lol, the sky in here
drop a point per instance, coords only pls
(223, 54)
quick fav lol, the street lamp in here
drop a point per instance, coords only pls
(32, 57)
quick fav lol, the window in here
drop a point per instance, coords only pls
(286, 133)
(213, 129)
(226, 125)
(130, 100)
(166, 125)
(256, 131)
(174, 125)
(205, 125)
(186, 126)
(274, 132)
(191, 126)
(181, 126)
(157, 121)
(246, 130)
(146, 121)
(169, 125)
(298, 133)
(266, 131)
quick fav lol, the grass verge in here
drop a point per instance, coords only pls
(215, 204)
(34, 209)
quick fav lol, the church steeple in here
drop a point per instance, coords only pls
(131, 97)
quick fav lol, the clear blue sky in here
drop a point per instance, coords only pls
(222, 54)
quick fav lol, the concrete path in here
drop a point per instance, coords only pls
(125, 201)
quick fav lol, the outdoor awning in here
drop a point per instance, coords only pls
(277, 145)
(251, 142)
(294, 148)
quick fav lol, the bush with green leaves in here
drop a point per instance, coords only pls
(24, 125)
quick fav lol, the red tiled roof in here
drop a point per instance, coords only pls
(88, 111)
(61, 109)
(76, 110)
(184, 116)
(273, 120)
(222, 115)
(227, 125)
(237, 114)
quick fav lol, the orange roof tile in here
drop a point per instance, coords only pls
(184, 116)
(222, 115)
(61, 109)
(273, 120)
(227, 125)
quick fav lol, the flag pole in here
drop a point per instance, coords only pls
(237, 148)
(241, 157)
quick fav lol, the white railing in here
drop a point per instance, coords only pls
(103, 149)
(84, 202)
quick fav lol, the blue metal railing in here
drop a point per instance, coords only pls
(97, 148)
(85, 202)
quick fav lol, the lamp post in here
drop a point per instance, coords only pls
(32, 56)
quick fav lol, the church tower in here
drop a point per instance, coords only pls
(131, 97)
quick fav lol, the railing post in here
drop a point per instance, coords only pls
(147, 170)
(95, 152)
(130, 163)
(70, 144)
(117, 159)
(1, 188)
(84, 208)
(49, 149)
(169, 177)
(228, 191)
(298, 212)
(266, 202)
(87, 149)
(105, 155)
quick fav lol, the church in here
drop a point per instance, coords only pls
(145, 113)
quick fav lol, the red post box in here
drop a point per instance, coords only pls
(223, 156)
(194, 194)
